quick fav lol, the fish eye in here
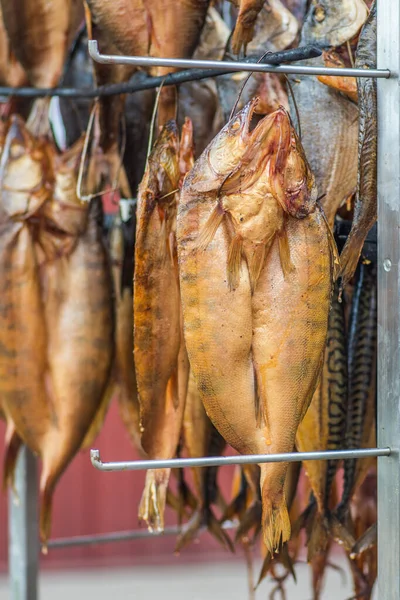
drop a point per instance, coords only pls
(235, 125)
(319, 13)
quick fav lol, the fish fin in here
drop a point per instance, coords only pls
(215, 529)
(234, 262)
(365, 542)
(302, 521)
(275, 521)
(267, 562)
(336, 260)
(341, 534)
(189, 531)
(152, 503)
(13, 444)
(98, 421)
(250, 519)
(256, 264)
(47, 486)
(209, 229)
(284, 253)
(318, 535)
(236, 508)
(287, 561)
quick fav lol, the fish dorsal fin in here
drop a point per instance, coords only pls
(332, 245)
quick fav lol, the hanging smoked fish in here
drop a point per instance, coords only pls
(365, 209)
(240, 252)
(40, 34)
(162, 367)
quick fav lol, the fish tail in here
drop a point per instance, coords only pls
(13, 444)
(152, 504)
(275, 519)
(234, 261)
(215, 529)
(99, 418)
(318, 535)
(47, 485)
(209, 229)
(267, 562)
(341, 534)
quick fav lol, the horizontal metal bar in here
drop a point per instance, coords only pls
(219, 461)
(123, 536)
(179, 63)
(148, 83)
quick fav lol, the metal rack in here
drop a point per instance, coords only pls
(23, 526)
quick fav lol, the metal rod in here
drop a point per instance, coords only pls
(122, 536)
(218, 461)
(388, 372)
(179, 63)
(24, 529)
(147, 83)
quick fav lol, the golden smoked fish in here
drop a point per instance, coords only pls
(79, 318)
(166, 28)
(161, 363)
(323, 428)
(365, 210)
(256, 369)
(11, 72)
(25, 177)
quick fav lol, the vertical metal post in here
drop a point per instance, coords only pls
(388, 15)
(23, 530)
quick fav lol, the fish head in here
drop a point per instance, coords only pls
(25, 171)
(226, 151)
(291, 179)
(333, 23)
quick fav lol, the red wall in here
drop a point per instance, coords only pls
(89, 501)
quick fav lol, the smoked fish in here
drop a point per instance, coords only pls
(40, 34)
(77, 296)
(11, 72)
(25, 179)
(323, 428)
(365, 209)
(334, 164)
(242, 356)
(360, 421)
(149, 27)
(162, 368)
